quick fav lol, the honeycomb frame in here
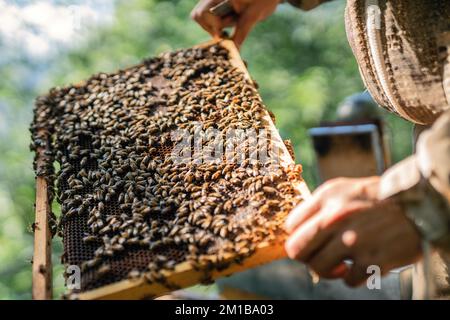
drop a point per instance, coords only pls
(184, 274)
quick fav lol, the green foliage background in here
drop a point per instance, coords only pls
(301, 61)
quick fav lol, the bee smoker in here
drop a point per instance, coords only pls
(353, 146)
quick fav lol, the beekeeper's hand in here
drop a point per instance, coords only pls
(343, 220)
(248, 13)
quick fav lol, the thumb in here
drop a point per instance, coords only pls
(244, 25)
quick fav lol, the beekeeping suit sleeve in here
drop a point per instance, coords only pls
(422, 183)
(306, 4)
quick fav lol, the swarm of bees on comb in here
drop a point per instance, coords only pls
(132, 204)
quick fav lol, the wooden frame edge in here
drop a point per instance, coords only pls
(42, 287)
(183, 275)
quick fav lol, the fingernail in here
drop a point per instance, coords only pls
(287, 248)
(288, 223)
